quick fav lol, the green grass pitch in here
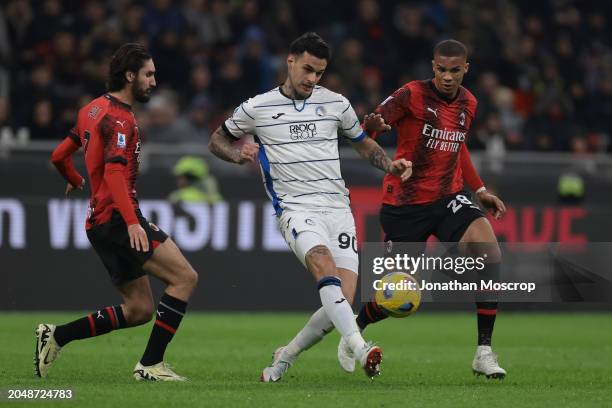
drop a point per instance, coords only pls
(552, 360)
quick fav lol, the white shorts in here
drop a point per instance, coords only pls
(304, 230)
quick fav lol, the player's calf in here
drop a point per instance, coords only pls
(370, 313)
(137, 314)
(50, 338)
(95, 324)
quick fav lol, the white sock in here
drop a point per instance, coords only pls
(483, 349)
(312, 333)
(357, 344)
(339, 311)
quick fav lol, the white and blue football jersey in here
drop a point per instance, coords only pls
(298, 140)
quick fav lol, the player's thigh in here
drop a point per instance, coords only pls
(479, 239)
(343, 246)
(306, 235)
(170, 266)
(343, 240)
(137, 298)
(121, 266)
(454, 215)
(409, 223)
(302, 231)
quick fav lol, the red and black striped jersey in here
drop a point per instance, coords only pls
(106, 129)
(431, 132)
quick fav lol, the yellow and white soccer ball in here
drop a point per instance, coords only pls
(398, 294)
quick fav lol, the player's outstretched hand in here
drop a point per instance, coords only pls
(138, 238)
(401, 168)
(374, 123)
(248, 153)
(492, 203)
(70, 187)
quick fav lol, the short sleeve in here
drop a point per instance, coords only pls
(242, 121)
(349, 123)
(116, 134)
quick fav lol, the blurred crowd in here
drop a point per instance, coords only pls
(542, 70)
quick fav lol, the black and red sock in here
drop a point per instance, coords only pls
(486, 312)
(486, 303)
(95, 324)
(370, 313)
(170, 312)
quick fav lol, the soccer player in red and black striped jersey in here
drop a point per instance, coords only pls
(433, 118)
(129, 246)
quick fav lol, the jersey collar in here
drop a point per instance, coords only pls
(118, 102)
(295, 106)
(441, 95)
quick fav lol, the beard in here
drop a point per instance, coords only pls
(141, 95)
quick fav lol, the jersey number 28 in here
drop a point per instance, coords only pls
(458, 202)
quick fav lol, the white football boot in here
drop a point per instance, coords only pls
(277, 368)
(157, 372)
(346, 357)
(485, 363)
(370, 357)
(47, 349)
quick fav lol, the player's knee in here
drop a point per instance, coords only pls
(190, 278)
(185, 280)
(140, 313)
(488, 250)
(320, 262)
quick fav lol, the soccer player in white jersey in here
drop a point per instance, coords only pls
(296, 127)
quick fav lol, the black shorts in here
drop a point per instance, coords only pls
(447, 219)
(112, 243)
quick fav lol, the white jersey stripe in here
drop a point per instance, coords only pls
(298, 121)
(298, 140)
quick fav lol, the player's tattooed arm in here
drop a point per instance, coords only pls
(221, 145)
(372, 152)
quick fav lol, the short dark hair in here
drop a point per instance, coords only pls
(129, 57)
(450, 48)
(311, 43)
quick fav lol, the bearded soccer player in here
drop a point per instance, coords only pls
(432, 118)
(296, 127)
(129, 246)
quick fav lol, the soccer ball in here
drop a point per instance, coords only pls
(398, 294)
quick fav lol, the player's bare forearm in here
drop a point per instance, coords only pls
(372, 152)
(220, 145)
(492, 203)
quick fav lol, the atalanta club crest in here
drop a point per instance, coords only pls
(320, 111)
